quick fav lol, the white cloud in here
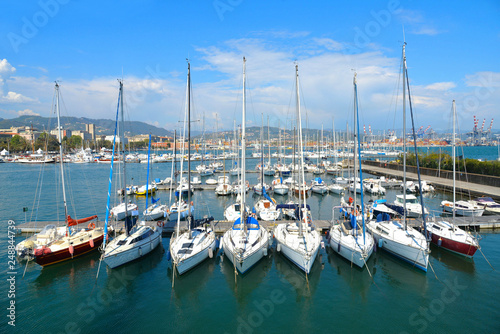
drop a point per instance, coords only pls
(440, 86)
(325, 78)
(27, 112)
(483, 79)
(329, 44)
(13, 97)
(425, 31)
(6, 69)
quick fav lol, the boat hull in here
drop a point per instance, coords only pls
(64, 254)
(244, 264)
(297, 258)
(403, 252)
(456, 247)
(348, 250)
(192, 261)
(139, 250)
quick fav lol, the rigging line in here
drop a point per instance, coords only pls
(26, 267)
(430, 265)
(485, 258)
(416, 155)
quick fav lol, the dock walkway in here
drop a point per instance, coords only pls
(221, 226)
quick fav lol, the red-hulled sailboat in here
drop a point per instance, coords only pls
(75, 242)
(448, 235)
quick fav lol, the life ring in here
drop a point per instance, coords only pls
(160, 224)
(191, 203)
(91, 226)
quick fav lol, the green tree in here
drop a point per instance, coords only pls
(18, 143)
(46, 141)
(75, 142)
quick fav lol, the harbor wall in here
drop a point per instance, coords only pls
(493, 181)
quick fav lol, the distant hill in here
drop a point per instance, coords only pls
(103, 126)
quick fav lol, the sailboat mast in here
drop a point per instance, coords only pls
(172, 175)
(355, 139)
(268, 144)
(189, 146)
(453, 159)
(262, 152)
(61, 162)
(243, 218)
(301, 162)
(404, 135)
(122, 156)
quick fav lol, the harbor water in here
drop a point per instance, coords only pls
(455, 295)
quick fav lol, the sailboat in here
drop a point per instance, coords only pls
(246, 242)
(396, 237)
(461, 208)
(138, 240)
(448, 235)
(73, 243)
(299, 241)
(347, 238)
(198, 243)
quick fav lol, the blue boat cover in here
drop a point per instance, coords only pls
(264, 193)
(252, 224)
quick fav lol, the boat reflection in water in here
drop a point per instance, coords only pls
(72, 271)
(243, 285)
(398, 275)
(453, 261)
(294, 278)
(358, 279)
(191, 282)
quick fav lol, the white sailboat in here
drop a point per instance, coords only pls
(299, 242)
(397, 237)
(198, 243)
(137, 240)
(246, 242)
(347, 238)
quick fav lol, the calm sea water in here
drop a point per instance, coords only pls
(273, 297)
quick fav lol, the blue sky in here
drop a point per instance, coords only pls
(452, 53)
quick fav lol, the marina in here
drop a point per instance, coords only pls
(273, 288)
